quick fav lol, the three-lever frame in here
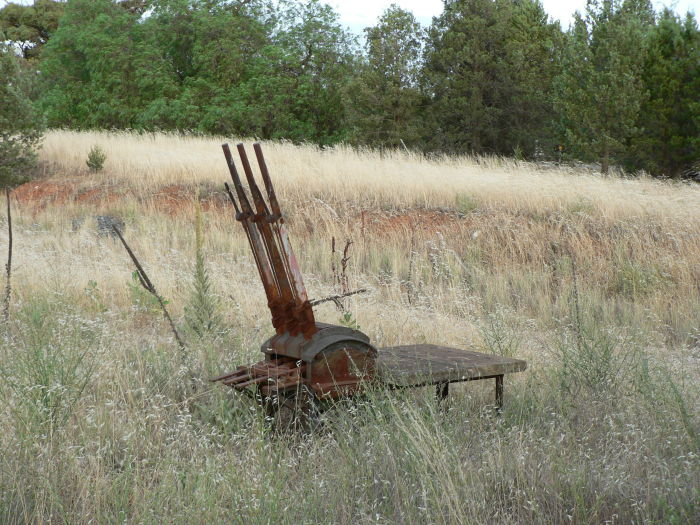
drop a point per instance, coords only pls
(264, 226)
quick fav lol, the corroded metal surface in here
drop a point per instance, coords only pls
(303, 310)
(415, 365)
(270, 376)
(287, 297)
(341, 369)
(244, 214)
(321, 360)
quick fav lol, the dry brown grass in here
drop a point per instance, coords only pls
(463, 252)
(366, 179)
(481, 230)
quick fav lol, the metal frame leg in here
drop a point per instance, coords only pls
(441, 391)
(499, 392)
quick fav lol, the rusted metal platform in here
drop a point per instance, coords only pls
(306, 361)
(421, 365)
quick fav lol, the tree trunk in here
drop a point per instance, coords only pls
(605, 162)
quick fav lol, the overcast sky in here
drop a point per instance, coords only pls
(358, 14)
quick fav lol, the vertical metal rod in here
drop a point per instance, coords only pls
(8, 266)
(499, 392)
(149, 287)
(441, 391)
(303, 311)
(267, 276)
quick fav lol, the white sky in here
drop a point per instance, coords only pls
(358, 14)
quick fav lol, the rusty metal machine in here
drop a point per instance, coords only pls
(320, 360)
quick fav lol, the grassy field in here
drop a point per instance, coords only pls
(594, 281)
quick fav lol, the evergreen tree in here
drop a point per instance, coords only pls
(88, 67)
(534, 47)
(208, 50)
(384, 95)
(490, 76)
(21, 126)
(670, 117)
(488, 73)
(600, 91)
(465, 74)
(99, 68)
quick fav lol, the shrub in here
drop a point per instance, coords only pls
(635, 279)
(96, 159)
(466, 203)
(501, 332)
(202, 311)
(141, 299)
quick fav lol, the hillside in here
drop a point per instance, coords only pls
(593, 280)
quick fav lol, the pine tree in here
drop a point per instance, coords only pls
(534, 46)
(488, 75)
(670, 117)
(384, 96)
(465, 74)
(600, 91)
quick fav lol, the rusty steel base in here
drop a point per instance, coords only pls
(334, 372)
(335, 362)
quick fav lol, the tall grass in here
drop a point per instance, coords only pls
(368, 179)
(594, 281)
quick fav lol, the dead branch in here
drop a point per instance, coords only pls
(336, 298)
(334, 270)
(149, 287)
(412, 254)
(344, 266)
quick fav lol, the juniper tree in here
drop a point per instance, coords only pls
(21, 126)
(385, 98)
(600, 90)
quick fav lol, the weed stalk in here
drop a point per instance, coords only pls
(8, 266)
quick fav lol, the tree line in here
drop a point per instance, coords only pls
(620, 87)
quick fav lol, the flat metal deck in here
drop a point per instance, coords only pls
(415, 365)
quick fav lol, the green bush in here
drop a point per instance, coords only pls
(21, 127)
(51, 364)
(202, 312)
(96, 159)
(466, 203)
(635, 279)
(142, 300)
(501, 332)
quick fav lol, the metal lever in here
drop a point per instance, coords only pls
(261, 220)
(244, 214)
(303, 309)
